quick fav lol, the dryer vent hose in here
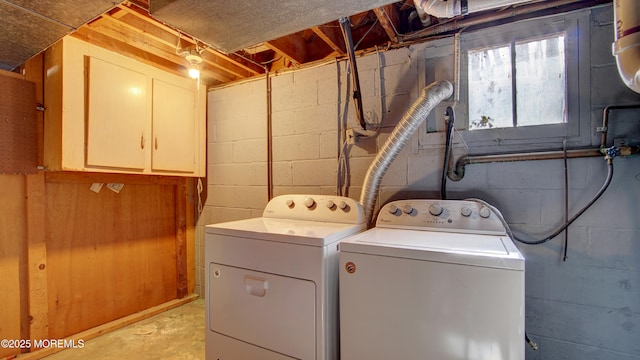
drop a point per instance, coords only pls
(430, 97)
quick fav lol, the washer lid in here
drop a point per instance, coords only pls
(457, 248)
(301, 232)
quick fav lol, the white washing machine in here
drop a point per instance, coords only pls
(433, 280)
(271, 282)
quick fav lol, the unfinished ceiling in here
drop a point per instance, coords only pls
(229, 26)
(28, 27)
(263, 39)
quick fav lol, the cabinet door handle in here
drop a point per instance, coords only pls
(142, 141)
(156, 143)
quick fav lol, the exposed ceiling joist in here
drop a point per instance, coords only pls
(389, 20)
(167, 33)
(129, 29)
(331, 35)
(293, 47)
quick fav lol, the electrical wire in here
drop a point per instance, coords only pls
(395, 31)
(375, 131)
(611, 153)
(578, 214)
(566, 197)
(343, 171)
(200, 188)
(595, 198)
(450, 117)
(365, 34)
(342, 166)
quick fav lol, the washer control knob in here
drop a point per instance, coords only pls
(290, 203)
(485, 212)
(330, 204)
(408, 209)
(309, 202)
(342, 204)
(435, 209)
(465, 211)
(393, 210)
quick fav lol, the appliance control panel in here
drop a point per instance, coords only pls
(441, 215)
(327, 208)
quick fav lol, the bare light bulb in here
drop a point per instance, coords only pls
(194, 73)
(194, 59)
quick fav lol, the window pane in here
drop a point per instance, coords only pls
(540, 81)
(490, 93)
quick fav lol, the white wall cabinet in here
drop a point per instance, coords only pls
(109, 113)
(173, 125)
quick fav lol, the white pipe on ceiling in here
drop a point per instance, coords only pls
(626, 47)
(451, 8)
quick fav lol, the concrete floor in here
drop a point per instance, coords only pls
(174, 334)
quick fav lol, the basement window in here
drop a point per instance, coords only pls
(521, 86)
(522, 83)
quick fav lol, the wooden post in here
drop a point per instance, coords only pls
(38, 309)
(181, 239)
(191, 228)
(37, 257)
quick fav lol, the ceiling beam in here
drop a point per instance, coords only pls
(332, 36)
(357, 19)
(389, 19)
(233, 59)
(125, 33)
(151, 35)
(293, 47)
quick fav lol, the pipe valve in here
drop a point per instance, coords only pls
(612, 152)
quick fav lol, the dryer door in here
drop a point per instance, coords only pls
(270, 311)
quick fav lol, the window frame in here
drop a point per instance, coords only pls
(576, 27)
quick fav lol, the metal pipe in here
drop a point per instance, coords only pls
(499, 15)
(357, 96)
(450, 119)
(605, 120)
(458, 173)
(431, 96)
(269, 140)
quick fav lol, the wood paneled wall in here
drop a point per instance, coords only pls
(108, 254)
(72, 259)
(12, 258)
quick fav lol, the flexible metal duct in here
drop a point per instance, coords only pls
(431, 96)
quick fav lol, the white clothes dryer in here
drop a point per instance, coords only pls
(272, 282)
(435, 279)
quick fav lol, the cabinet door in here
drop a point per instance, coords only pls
(116, 116)
(174, 122)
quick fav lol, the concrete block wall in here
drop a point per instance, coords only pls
(587, 307)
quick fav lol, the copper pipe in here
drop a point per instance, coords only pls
(605, 120)
(458, 173)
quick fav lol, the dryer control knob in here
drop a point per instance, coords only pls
(485, 212)
(330, 204)
(407, 209)
(465, 211)
(309, 202)
(435, 209)
(393, 210)
(342, 204)
(290, 203)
